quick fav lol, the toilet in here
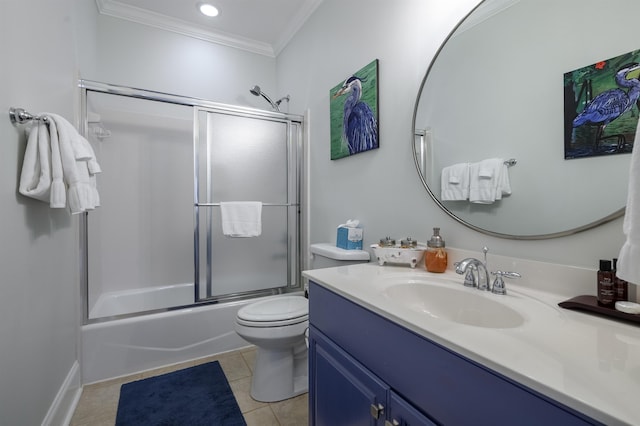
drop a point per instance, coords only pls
(277, 326)
(324, 255)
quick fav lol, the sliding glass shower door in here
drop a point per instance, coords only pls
(240, 157)
(156, 241)
(140, 239)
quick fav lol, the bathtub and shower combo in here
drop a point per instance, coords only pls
(160, 282)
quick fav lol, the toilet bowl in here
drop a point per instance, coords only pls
(276, 326)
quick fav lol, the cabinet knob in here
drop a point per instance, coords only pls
(376, 410)
(393, 422)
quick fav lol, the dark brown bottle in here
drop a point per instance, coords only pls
(620, 286)
(606, 292)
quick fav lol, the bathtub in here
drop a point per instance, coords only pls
(130, 345)
(142, 299)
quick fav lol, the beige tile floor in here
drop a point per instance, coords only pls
(98, 404)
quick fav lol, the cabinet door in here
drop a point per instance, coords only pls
(401, 413)
(342, 391)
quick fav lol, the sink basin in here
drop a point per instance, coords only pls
(459, 305)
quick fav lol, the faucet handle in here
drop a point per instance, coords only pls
(470, 279)
(498, 285)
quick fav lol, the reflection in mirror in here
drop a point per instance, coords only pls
(495, 90)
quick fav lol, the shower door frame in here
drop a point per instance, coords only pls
(294, 164)
(295, 123)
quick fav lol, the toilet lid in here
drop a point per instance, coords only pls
(279, 308)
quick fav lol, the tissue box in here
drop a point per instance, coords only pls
(349, 238)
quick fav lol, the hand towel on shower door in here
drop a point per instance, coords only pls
(241, 218)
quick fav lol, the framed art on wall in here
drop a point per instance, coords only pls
(600, 107)
(354, 113)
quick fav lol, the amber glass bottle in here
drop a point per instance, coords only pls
(435, 259)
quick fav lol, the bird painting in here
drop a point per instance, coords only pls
(354, 123)
(611, 104)
(608, 106)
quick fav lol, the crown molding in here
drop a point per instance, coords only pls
(296, 23)
(142, 16)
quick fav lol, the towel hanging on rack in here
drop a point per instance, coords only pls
(241, 218)
(59, 166)
(489, 181)
(454, 185)
(35, 179)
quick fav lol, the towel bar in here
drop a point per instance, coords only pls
(264, 204)
(511, 162)
(20, 116)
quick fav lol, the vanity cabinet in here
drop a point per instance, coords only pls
(367, 370)
(347, 393)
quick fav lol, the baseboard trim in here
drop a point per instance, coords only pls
(66, 400)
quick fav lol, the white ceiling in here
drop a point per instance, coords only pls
(259, 26)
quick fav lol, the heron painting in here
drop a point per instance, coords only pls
(602, 107)
(354, 113)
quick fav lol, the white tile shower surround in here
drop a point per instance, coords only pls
(98, 404)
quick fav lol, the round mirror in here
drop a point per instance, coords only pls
(508, 84)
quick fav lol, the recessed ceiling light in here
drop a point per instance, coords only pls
(208, 9)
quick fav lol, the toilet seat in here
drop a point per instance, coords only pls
(272, 324)
(275, 312)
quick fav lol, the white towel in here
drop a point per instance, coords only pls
(59, 166)
(504, 183)
(454, 183)
(35, 177)
(628, 260)
(489, 181)
(58, 198)
(241, 218)
(76, 155)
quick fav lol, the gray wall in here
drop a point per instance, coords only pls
(39, 293)
(381, 187)
(173, 63)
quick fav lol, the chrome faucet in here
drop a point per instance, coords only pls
(471, 265)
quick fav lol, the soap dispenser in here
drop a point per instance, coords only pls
(435, 259)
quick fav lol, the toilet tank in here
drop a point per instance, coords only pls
(324, 255)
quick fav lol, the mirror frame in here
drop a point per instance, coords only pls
(615, 215)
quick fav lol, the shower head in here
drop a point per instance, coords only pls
(256, 91)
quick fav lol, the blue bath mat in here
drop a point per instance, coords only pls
(194, 396)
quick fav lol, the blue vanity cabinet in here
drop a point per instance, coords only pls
(362, 364)
(344, 392)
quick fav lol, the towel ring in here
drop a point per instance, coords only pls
(21, 116)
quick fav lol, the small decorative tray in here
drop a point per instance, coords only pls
(590, 304)
(399, 255)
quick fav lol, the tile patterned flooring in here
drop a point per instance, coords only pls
(98, 404)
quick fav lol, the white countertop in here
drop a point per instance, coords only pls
(587, 362)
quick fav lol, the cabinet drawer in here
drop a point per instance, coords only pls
(448, 387)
